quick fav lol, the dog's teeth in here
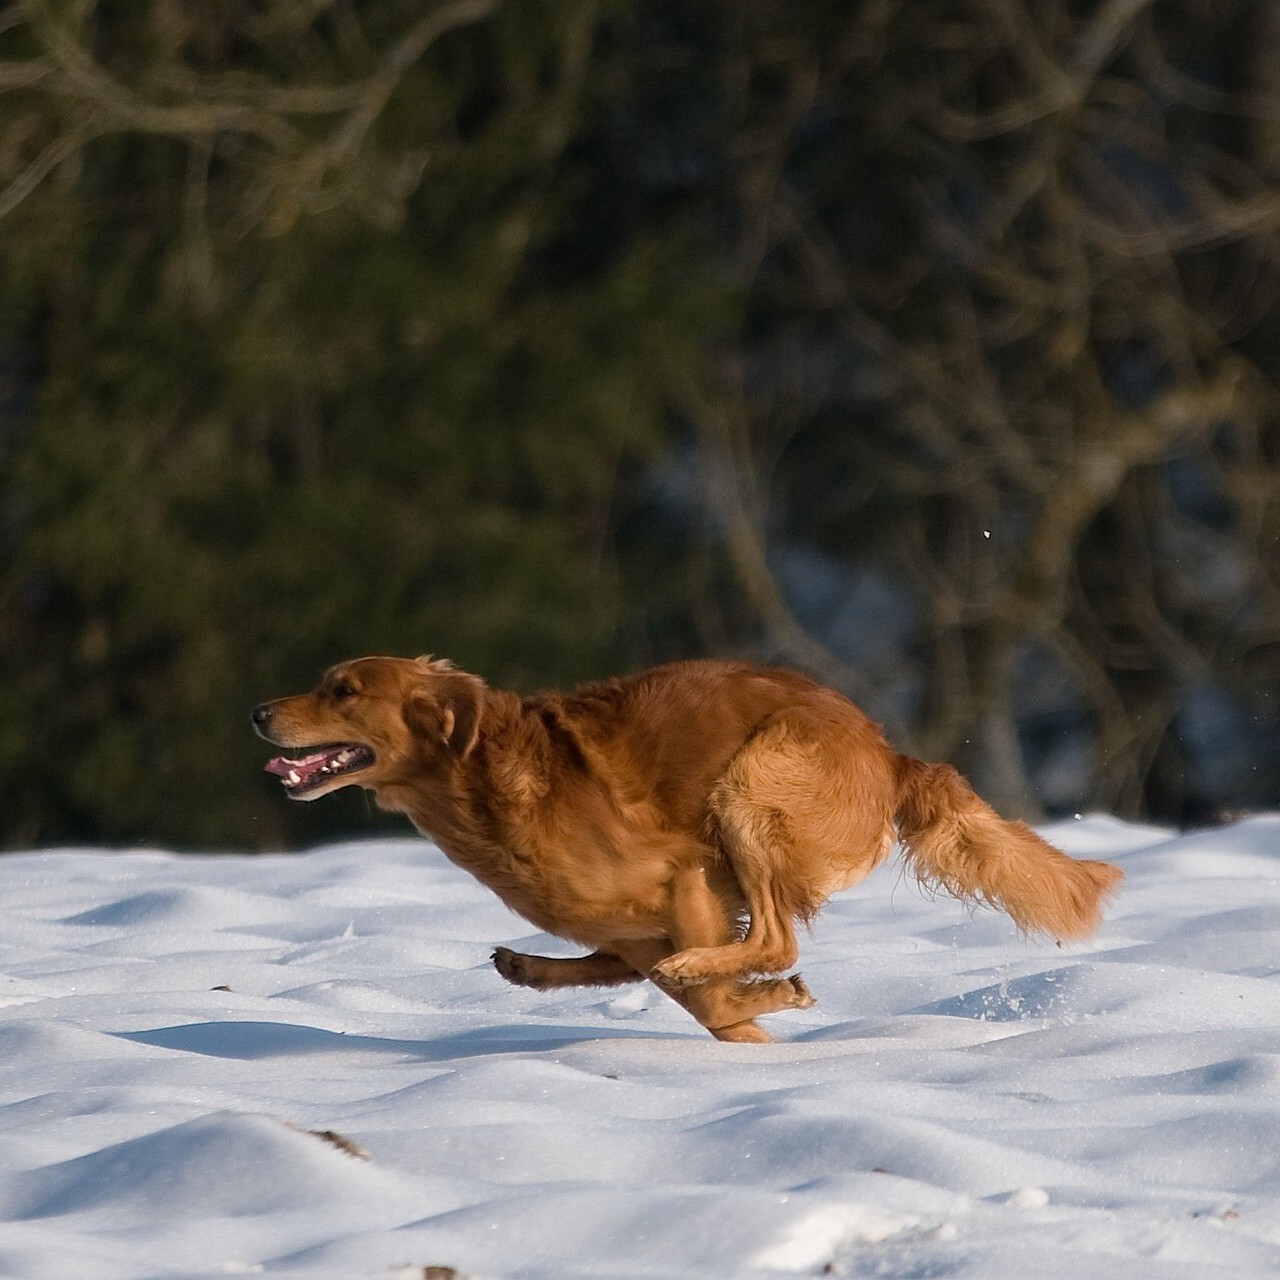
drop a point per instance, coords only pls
(294, 777)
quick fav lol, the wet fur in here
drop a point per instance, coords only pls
(677, 823)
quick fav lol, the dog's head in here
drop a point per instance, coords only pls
(373, 722)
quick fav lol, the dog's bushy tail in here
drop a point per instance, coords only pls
(955, 841)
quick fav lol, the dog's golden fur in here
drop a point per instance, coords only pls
(677, 823)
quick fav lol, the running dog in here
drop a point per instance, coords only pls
(678, 823)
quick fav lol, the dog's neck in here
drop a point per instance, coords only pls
(465, 800)
(482, 809)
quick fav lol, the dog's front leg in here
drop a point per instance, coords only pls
(599, 969)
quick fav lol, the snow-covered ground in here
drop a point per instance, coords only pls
(961, 1102)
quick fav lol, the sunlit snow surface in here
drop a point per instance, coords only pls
(961, 1102)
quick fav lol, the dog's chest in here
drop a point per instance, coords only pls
(579, 891)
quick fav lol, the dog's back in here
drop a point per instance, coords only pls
(666, 735)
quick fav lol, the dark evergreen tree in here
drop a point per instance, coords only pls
(928, 345)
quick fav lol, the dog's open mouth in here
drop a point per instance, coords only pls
(303, 774)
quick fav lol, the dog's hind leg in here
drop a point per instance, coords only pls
(600, 969)
(795, 821)
(727, 1008)
(756, 836)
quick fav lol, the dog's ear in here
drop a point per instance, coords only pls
(462, 704)
(447, 711)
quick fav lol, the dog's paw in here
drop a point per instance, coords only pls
(742, 1033)
(682, 969)
(513, 966)
(665, 974)
(803, 999)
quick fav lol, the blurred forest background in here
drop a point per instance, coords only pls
(930, 345)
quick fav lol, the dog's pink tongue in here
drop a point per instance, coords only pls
(284, 766)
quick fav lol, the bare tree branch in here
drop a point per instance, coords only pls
(192, 107)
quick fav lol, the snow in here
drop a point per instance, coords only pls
(177, 1034)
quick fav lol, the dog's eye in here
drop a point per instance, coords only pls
(342, 690)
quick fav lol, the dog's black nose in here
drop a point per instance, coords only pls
(262, 714)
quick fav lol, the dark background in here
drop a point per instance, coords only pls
(931, 345)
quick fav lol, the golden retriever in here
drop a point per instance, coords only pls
(677, 822)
